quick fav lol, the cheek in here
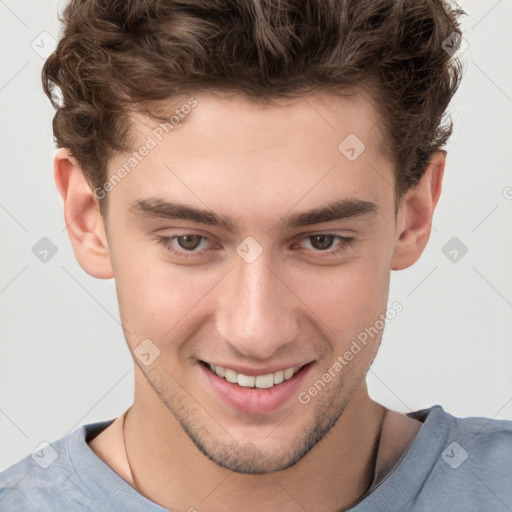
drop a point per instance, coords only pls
(349, 298)
(155, 297)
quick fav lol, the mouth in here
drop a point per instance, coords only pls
(259, 393)
(262, 381)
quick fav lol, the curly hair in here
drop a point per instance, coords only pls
(117, 57)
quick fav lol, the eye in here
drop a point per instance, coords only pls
(189, 242)
(182, 244)
(324, 243)
(321, 242)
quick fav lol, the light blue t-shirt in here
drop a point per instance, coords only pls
(453, 464)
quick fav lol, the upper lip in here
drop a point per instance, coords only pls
(258, 371)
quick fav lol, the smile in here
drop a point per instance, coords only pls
(260, 393)
(254, 381)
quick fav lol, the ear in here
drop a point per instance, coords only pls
(82, 216)
(414, 217)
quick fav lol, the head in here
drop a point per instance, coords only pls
(280, 159)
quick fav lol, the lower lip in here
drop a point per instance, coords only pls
(255, 400)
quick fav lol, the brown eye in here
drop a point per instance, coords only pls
(322, 242)
(189, 242)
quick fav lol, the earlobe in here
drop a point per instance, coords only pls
(414, 218)
(84, 223)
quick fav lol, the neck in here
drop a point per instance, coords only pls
(168, 468)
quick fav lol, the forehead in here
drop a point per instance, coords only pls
(259, 155)
(218, 113)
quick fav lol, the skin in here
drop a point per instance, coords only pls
(255, 163)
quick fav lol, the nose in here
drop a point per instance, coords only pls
(257, 313)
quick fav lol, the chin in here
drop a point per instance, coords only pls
(269, 454)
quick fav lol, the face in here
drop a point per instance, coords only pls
(248, 246)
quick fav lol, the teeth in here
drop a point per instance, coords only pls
(231, 376)
(278, 377)
(246, 381)
(250, 381)
(264, 381)
(288, 373)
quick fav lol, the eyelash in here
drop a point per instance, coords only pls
(346, 243)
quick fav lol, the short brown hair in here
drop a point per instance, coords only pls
(116, 57)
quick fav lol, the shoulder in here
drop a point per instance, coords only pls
(467, 426)
(485, 440)
(31, 482)
(487, 446)
(455, 464)
(473, 463)
(47, 479)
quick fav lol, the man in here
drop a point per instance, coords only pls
(250, 173)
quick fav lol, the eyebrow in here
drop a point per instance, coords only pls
(337, 210)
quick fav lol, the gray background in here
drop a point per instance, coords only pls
(63, 357)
